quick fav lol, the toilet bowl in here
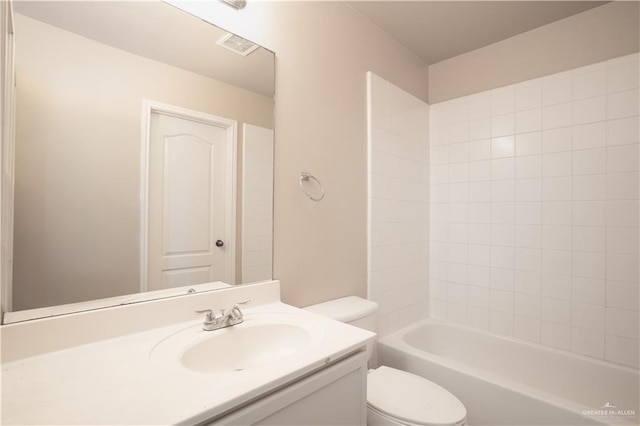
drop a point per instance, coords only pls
(395, 397)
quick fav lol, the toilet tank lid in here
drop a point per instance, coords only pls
(345, 309)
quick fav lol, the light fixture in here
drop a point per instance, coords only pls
(236, 4)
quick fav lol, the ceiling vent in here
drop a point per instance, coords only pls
(237, 44)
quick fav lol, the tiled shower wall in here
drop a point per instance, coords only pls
(398, 156)
(534, 210)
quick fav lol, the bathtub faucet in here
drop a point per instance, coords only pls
(226, 319)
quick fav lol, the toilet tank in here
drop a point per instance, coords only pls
(352, 310)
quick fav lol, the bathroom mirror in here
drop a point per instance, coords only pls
(143, 155)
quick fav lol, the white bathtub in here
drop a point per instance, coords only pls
(504, 381)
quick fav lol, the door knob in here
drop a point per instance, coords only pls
(219, 243)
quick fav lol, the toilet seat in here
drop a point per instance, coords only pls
(415, 400)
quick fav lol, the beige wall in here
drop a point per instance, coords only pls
(323, 51)
(598, 34)
(55, 193)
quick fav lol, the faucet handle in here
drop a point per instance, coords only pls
(246, 302)
(211, 316)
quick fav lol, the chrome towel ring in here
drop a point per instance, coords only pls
(305, 177)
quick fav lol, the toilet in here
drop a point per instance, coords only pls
(395, 397)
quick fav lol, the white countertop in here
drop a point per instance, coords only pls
(117, 381)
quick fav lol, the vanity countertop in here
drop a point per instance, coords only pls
(118, 381)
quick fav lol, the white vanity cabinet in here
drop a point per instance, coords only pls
(335, 395)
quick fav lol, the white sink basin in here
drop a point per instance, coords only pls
(263, 340)
(240, 348)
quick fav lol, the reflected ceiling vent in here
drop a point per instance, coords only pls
(239, 45)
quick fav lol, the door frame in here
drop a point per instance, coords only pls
(7, 155)
(231, 128)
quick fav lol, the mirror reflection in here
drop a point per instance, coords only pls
(144, 153)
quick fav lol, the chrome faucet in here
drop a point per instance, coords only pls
(226, 319)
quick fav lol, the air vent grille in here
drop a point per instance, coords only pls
(237, 44)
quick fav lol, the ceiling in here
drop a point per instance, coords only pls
(437, 30)
(161, 32)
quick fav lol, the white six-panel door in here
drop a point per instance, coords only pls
(190, 238)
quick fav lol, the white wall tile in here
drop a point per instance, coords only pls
(501, 323)
(527, 329)
(590, 161)
(502, 147)
(480, 170)
(478, 317)
(623, 186)
(480, 105)
(589, 187)
(622, 159)
(480, 149)
(622, 240)
(622, 350)
(527, 305)
(503, 100)
(556, 237)
(623, 323)
(529, 143)
(480, 255)
(622, 213)
(557, 140)
(529, 259)
(589, 238)
(480, 234)
(590, 110)
(479, 192)
(622, 104)
(503, 168)
(556, 286)
(623, 268)
(557, 189)
(590, 84)
(529, 189)
(399, 266)
(480, 213)
(622, 295)
(529, 236)
(589, 265)
(587, 136)
(502, 279)
(588, 291)
(555, 311)
(556, 89)
(622, 73)
(501, 301)
(557, 164)
(479, 276)
(587, 342)
(459, 152)
(556, 335)
(528, 282)
(502, 190)
(623, 132)
(589, 213)
(503, 213)
(555, 116)
(528, 94)
(556, 262)
(503, 235)
(528, 213)
(557, 213)
(588, 317)
(529, 121)
(536, 219)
